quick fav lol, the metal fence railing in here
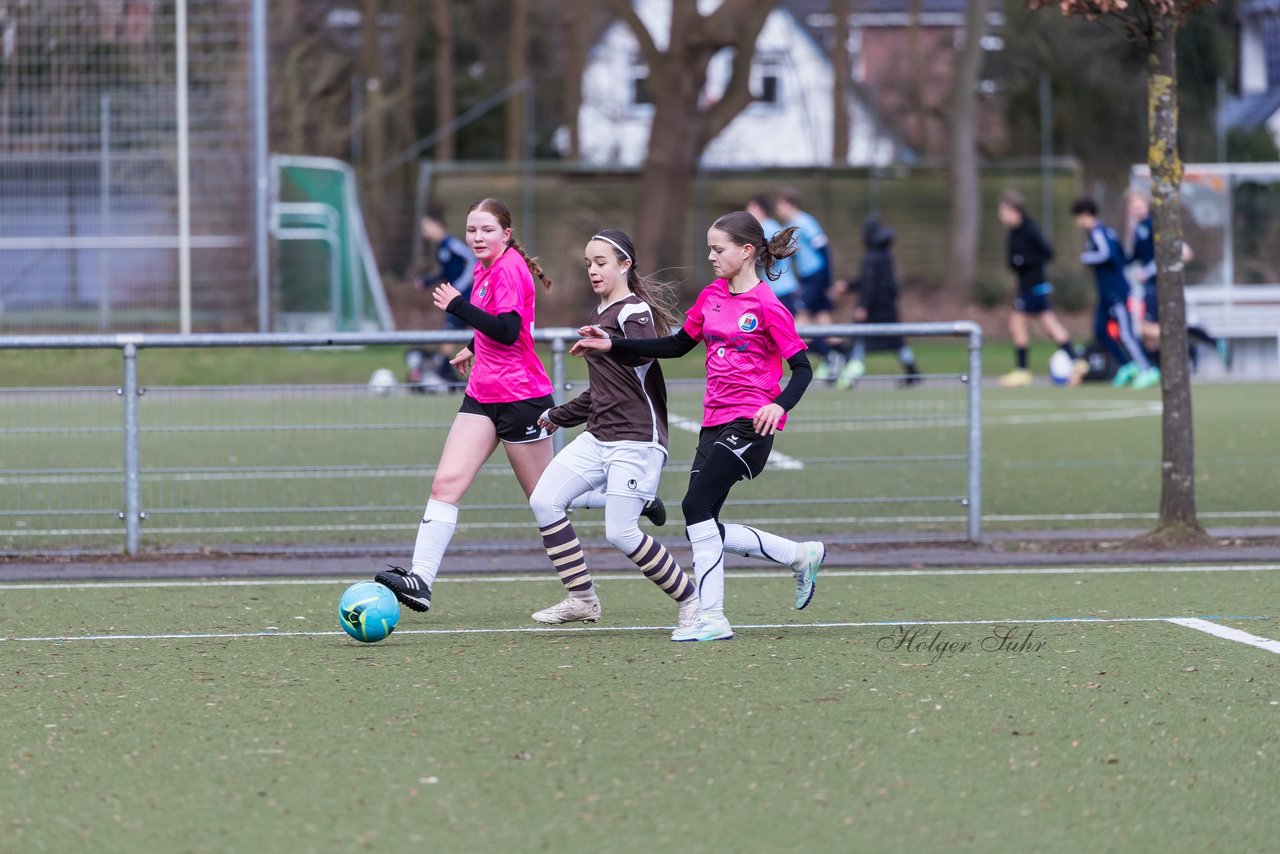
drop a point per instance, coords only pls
(319, 465)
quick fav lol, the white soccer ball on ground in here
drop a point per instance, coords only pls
(382, 383)
(1060, 367)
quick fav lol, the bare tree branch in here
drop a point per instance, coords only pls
(627, 13)
(737, 95)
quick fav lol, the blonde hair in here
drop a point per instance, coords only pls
(502, 214)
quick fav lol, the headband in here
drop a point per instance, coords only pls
(615, 245)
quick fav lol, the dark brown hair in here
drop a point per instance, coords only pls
(502, 214)
(660, 296)
(745, 230)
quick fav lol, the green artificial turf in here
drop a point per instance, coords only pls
(1110, 735)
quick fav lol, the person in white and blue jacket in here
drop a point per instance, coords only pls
(1141, 264)
(1102, 252)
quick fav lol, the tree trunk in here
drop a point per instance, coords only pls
(574, 20)
(681, 127)
(667, 178)
(375, 148)
(840, 83)
(915, 51)
(445, 104)
(517, 70)
(965, 202)
(1177, 485)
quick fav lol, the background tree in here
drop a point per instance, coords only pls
(840, 75)
(517, 71)
(573, 22)
(962, 248)
(683, 125)
(446, 109)
(1153, 24)
(1097, 75)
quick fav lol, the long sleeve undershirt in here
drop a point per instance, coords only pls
(503, 328)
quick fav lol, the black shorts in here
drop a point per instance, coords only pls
(516, 422)
(813, 293)
(741, 438)
(1034, 300)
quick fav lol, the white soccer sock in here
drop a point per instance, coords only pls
(708, 565)
(752, 542)
(434, 534)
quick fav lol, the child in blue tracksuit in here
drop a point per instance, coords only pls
(1102, 252)
(456, 262)
(1142, 263)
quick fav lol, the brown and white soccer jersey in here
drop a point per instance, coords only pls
(627, 397)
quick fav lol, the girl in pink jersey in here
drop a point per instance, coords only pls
(748, 334)
(624, 447)
(507, 391)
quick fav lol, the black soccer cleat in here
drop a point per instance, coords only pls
(655, 511)
(410, 589)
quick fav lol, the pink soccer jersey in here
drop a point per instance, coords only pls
(748, 337)
(504, 373)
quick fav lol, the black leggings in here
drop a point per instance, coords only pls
(726, 454)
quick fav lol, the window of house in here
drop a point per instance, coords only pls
(766, 79)
(640, 93)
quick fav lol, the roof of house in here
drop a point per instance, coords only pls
(1251, 111)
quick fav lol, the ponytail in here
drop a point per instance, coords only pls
(745, 230)
(534, 267)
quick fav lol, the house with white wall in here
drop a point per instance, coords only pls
(1258, 104)
(788, 124)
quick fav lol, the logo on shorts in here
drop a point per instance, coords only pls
(632, 484)
(731, 439)
(531, 429)
(748, 322)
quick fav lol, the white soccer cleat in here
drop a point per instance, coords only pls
(707, 628)
(571, 610)
(809, 559)
(689, 611)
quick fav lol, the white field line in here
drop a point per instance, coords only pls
(1227, 633)
(635, 576)
(777, 459)
(525, 630)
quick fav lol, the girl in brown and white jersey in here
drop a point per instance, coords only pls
(624, 446)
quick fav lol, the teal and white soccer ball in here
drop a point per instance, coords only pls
(368, 611)
(1060, 367)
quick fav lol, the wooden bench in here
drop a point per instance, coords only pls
(1248, 316)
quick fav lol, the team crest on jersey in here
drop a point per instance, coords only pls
(748, 322)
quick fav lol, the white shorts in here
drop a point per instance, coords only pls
(617, 468)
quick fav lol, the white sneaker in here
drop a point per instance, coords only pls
(687, 618)
(571, 610)
(708, 628)
(809, 559)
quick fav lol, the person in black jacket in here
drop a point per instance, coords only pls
(1029, 252)
(877, 288)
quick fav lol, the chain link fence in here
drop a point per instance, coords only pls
(127, 165)
(314, 467)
